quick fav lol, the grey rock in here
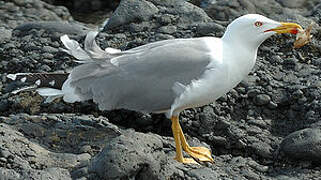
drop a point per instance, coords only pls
(202, 173)
(45, 68)
(48, 56)
(4, 105)
(207, 120)
(80, 173)
(208, 28)
(3, 160)
(262, 149)
(48, 173)
(5, 153)
(165, 12)
(221, 141)
(126, 156)
(253, 92)
(9, 46)
(259, 123)
(188, 13)
(142, 156)
(167, 29)
(33, 10)
(54, 26)
(262, 99)
(6, 173)
(50, 49)
(248, 174)
(303, 144)
(5, 35)
(272, 105)
(131, 11)
(36, 161)
(292, 3)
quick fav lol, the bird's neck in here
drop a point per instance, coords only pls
(241, 59)
(239, 42)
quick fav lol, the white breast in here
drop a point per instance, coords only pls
(225, 71)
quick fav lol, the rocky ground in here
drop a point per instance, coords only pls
(268, 127)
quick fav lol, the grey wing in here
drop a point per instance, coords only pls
(145, 77)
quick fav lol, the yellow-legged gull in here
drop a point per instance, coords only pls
(166, 76)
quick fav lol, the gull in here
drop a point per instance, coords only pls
(167, 76)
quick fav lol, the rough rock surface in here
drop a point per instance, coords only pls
(304, 144)
(262, 129)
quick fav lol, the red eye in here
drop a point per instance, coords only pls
(258, 23)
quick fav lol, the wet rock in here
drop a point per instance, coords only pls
(303, 144)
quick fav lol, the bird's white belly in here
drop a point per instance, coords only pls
(213, 85)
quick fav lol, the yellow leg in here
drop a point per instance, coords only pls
(200, 153)
(176, 132)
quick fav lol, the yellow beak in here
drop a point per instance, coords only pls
(286, 28)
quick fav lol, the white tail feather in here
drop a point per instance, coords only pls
(74, 49)
(50, 93)
(92, 48)
(67, 92)
(70, 92)
(91, 53)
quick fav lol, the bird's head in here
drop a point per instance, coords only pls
(253, 29)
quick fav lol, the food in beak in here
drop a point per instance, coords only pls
(303, 37)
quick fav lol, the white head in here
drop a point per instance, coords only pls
(253, 29)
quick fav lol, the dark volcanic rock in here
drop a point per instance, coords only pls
(16, 12)
(49, 155)
(144, 156)
(131, 155)
(32, 159)
(304, 144)
(262, 99)
(54, 26)
(152, 14)
(131, 11)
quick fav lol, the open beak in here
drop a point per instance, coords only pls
(286, 27)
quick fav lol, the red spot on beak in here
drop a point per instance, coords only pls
(294, 31)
